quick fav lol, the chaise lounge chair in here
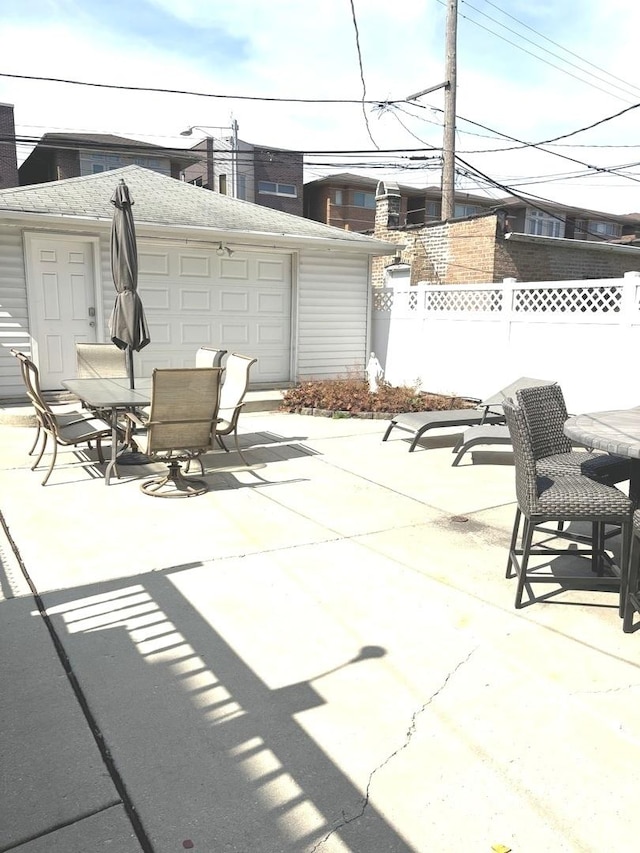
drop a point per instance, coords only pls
(486, 415)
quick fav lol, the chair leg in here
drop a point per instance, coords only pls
(389, 428)
(53, 462)
(42, 449)
(527, 537)
(628, 539)
(514, 540)
(631, 586)
(235, 438)
(221, 443)
(35, 441)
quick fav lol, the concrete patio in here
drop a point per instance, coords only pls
(320, 654)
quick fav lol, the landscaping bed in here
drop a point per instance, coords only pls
(351, 398)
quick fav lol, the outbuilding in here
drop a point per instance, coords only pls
(213, 271)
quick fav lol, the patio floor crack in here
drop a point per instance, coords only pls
(409, 735)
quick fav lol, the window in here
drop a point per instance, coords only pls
(197, 182)
(96, 168)
(543, 224)
(367, 200)
(222, 184)
(273, 188)
(337, 197)
(242, 186)
(604, 229)
(460, 210)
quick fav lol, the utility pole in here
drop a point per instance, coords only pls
(449, 140)
(234, 158)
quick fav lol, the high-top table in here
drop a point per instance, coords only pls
(616, 431)
(116, 396)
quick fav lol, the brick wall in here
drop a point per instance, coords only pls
(8, 158)
(466, 251)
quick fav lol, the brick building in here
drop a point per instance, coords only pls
(271, 177)
(484, 249)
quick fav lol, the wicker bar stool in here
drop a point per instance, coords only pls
(574, 497)
(631, 593)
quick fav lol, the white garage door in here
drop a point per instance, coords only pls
(194, 297)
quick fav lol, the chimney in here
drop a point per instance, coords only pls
(388, 200)
(8, 157)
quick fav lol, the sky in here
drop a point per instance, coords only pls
(526, 73)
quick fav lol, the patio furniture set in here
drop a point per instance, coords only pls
(555, 482)
(174, 417)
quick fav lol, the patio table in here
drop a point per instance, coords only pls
(116, 396)
(616, 431)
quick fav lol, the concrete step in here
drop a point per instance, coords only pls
(18, 411)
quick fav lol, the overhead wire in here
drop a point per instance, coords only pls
(364, 85)
(550, 52)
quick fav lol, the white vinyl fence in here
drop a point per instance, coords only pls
(475, 339)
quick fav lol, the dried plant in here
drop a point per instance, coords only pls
(353, 396)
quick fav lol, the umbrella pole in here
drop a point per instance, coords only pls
(130, 367)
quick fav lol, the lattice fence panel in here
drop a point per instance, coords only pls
(581, 300)
(463, 300)
(382, 300)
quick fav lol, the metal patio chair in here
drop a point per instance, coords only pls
(181, 426)
(236, 382)
(67, 430)
(210, 357)
(568, 498)
(100, 361)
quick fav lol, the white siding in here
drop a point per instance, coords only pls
(333, 293)
(14, 323)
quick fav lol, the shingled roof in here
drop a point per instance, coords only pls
(163, 201)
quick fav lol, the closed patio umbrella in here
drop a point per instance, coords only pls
(128, 324)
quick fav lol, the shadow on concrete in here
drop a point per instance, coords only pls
(210, 755)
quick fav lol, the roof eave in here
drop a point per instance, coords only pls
(366, 245)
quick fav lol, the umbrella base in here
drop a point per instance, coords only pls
(174, 484)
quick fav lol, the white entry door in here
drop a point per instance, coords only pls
(62, 304)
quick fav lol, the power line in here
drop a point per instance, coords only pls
(550, 52)
(364, 85)
(197, 94)
(566, 50)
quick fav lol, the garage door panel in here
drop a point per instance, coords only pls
(271, 270)
(194, 265)
(155, 298)
(270, 333)
(271, 302)
(195, 333)
(159, 331)
(153, 263)
(234, 301)
(237, 268)
(192, 299)
(234, 335)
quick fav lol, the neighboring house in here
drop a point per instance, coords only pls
(212, 270)
(349, 201)
(271, 177)
(484, 248)
(58, 156)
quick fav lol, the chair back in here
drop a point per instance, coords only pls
(524, 460)
(210, 357)
(184, 408)
(546, 412)
(31, 380)
(100, 361)
(236, 382)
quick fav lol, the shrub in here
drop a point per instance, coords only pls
(353, 395)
